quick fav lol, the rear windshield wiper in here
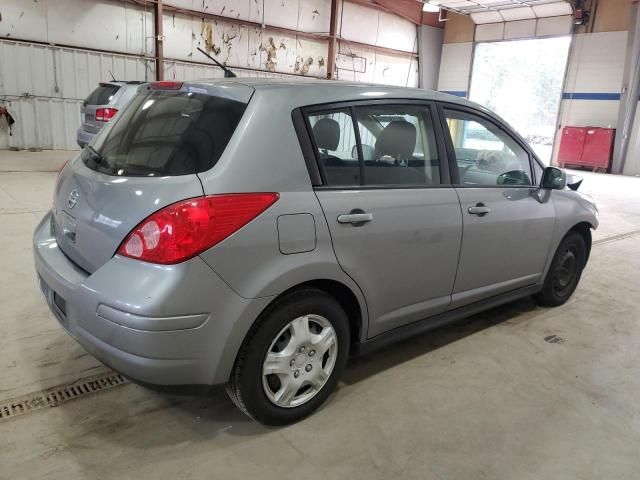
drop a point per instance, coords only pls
(95, 156)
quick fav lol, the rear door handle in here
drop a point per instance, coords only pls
(479, 209)
(356, 218)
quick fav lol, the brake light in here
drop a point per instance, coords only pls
(105, 114)
(185, 229)
(166, 85)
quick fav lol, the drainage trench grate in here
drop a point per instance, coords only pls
(52, 397)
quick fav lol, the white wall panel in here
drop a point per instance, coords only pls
(396, 32)
(24, 19)
(430, 56)
(102, 25)
(455, 67)
(594, 113)
(366, 25)
(597, 62)
(314, 16)
(279, 13)
(521, 29)
(489, 32)
(45, 100)
(362, 64)
(632, 163)
(596, 67)
(302, 15)
(395, 70)
(355, 63)
(554, 26)
(359, 23)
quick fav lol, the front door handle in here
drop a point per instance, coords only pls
(356, 217)
(479, 209)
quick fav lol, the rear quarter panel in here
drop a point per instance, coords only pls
(264, 155)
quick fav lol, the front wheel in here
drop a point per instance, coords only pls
(291, 362)
(565, 271)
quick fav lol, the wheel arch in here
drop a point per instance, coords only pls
(353, 304)
(584, 229)
(344, 295)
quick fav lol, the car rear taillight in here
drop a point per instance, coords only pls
(185, 229)
(166, 85)
(105, 114)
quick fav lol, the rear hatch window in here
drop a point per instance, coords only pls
(164, 133)
(102, 95)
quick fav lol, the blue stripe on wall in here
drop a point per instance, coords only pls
(590, 96)
(455, 93)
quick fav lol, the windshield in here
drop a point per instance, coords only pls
(165, 133)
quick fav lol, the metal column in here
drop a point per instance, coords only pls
(333, 27)
(630, 92)
(159, 40)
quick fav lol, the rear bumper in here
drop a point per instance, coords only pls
(164, 325)
(83, 137)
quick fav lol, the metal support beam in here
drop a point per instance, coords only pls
(159, 40)
(630, 93)
(333, 28)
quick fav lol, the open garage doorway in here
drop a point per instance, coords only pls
(522, 80)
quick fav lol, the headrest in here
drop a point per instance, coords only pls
(398, 140)
(327, 134)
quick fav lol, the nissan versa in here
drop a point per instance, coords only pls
(256, 232)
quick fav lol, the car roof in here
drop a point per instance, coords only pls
(318, 91)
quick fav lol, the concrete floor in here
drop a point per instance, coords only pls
(489, 398)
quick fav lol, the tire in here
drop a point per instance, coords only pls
(564, 272)
(302, 377)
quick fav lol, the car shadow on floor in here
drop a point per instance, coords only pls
(363, 367)
(360, 368)
(203, 413)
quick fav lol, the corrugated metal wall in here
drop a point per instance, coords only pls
(44, 85)
(176, 70)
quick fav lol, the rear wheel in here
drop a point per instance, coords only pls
(291, 362)
(565, 271)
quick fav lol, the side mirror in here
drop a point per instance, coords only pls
(553, 179)
(574, 182)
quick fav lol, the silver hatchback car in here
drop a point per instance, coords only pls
(257, 232)
(102, 105)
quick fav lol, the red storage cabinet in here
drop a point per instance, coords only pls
(590, 147)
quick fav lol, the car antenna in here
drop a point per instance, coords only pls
(113, 79)
(227, 73)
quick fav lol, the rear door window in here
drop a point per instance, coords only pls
(397, 145)
(335, 139)
(102, 95)
(165, 133)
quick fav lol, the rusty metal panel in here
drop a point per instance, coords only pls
(243, 46)
(177, 70)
